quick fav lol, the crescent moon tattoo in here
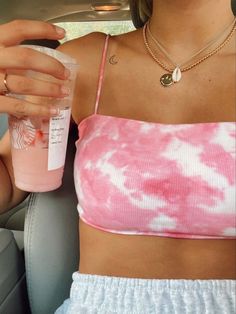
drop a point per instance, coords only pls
(112, 60)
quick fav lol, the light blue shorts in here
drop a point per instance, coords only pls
(95, 294)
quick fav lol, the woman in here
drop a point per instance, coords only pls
(155, 161)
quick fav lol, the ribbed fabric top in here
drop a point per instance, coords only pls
(170, 180)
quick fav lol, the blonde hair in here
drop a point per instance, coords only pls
(141, 11)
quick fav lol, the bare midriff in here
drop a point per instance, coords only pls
(154, 257)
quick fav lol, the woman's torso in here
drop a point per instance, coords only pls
(131, 89)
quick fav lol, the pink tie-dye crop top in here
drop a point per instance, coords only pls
(145, 178)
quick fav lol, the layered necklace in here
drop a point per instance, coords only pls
(175, 73)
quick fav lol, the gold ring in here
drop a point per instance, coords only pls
(6, 90)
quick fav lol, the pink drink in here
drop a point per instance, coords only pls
(34, 171)
(35, 159)
(39, 144)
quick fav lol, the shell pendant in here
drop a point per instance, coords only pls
(176, 75)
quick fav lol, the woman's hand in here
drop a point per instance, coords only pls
(14, 60)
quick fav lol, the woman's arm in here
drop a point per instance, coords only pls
(87, 51)
(10, 195)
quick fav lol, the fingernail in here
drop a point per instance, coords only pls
(65, 90)
(60, 31)
(67, 73)
(55, 111)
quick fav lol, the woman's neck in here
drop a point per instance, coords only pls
(189, 24)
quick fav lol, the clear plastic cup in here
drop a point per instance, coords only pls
(39, 144)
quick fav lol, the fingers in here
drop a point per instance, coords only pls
(19, 58)
(23, 108)
(30, 86)
(16, 31)
(26, 58)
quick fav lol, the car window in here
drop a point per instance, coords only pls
(78, 29)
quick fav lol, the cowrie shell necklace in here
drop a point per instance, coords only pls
(175, 74)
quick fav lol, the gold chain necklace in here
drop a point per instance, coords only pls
(209, 44)
(174, 75)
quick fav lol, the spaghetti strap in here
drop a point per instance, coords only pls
(101, 74)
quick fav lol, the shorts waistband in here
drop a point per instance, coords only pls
(227, 285)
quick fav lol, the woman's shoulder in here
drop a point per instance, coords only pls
(87, 50)
(83, 46)
(88, 45)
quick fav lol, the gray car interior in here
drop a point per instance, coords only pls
(39, 245)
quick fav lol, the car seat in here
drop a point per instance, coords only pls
(51, 242)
